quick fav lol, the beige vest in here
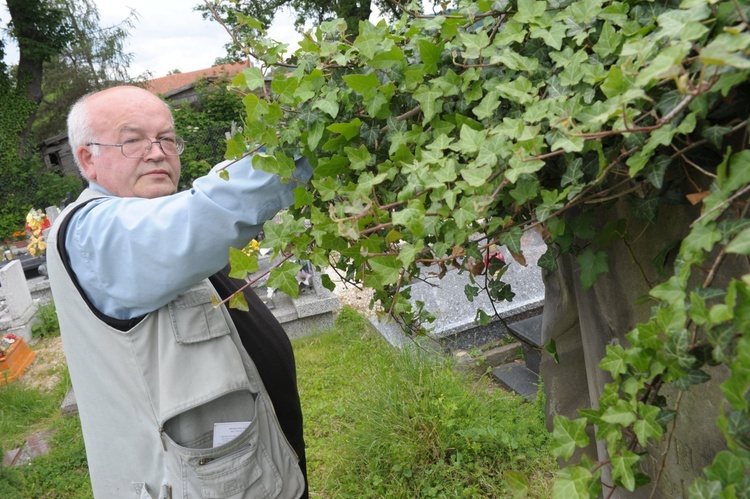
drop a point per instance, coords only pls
(149, 398)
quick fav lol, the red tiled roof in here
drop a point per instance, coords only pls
(172, 82)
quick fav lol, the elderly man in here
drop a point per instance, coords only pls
(177, 397)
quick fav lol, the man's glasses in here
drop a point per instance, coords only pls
(139, 148)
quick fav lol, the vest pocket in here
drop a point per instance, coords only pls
(194, 317)
(248, 472)
(241, 468)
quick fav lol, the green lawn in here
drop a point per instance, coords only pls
(379, 423)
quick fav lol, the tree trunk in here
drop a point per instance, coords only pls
(41, 33)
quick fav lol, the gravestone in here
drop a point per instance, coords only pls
(19, 308)
(454, 327)
(313, 310)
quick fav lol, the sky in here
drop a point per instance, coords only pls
(169, 35)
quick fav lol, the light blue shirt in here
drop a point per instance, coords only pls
(135, 255)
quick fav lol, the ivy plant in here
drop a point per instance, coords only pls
(437, 137)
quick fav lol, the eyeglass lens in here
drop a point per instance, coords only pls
(138, 148)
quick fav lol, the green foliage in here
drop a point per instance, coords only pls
(436, 137)
(24, 181)
(20, 409)
(47, 325)
(407, 424)
(64, 470)
(41, 30)
(94, 60)
(203, 125)
(61, 473)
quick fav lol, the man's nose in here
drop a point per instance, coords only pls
(155, 151)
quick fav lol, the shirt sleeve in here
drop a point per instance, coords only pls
(135, 255)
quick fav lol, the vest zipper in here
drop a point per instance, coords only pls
(166, 492)
(161, 436)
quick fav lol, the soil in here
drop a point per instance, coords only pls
(45, 371)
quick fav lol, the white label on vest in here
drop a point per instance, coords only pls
(226, 432)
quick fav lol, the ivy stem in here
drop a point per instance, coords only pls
(588, 189)
(229, 31)
(250, 282)
(736, 195)
(660, 123)
(722, 254)
(739, 11)
(669, 445)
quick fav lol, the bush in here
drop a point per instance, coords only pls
(46, 325)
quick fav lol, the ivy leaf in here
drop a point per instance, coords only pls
(470, 140)
(727, 468)
(573, 173)
(529, 10)
(656, 169)
(487, 105)
(329, 105)
(512, 239)
(284, 278)
(615, 361)
(609, 41)
(471, 292)
(253, 78)
(551, 348)
(622, 469)
(592, 264)
(412, 218)
(238, 301)
(548, 260)
(500, 291)
(702, 489)
(481, 318)
(476, 177)
(568, 435)
(284, 87)
(647, 426)
(358, 158)
(241, 264)
(428, 101)
(430, 53)
(620, 414)
(517, 482)
(525, 190)
(572, 482)
(326, 281)
(388, 58)
(367, 44)
(740, 244)
(646, 209)
(387, 268)
(348, 130)
(665, 417)
(584, 11)
(715, 134)
(365, 85)
(236, 148)
(551, 202)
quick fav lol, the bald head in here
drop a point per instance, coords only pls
(98, 125)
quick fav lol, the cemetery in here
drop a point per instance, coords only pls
(553, 195)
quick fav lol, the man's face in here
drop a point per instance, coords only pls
(122, 114)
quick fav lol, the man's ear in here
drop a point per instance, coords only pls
(86, 158)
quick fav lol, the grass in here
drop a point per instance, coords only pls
(379, 423)
(382, 423)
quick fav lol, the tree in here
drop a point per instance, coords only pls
(351, 11)
(204, 125)
(95, 60)
(42, 32)
(440, 136)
